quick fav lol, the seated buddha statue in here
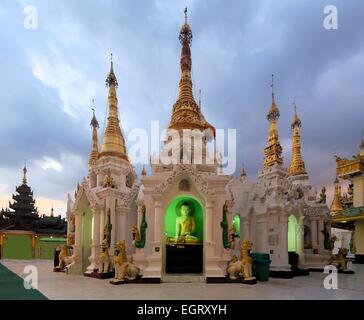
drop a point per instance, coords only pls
(185, 225)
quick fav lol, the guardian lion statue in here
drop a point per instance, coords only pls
(124, 270)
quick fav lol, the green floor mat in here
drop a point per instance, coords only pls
(12, 287)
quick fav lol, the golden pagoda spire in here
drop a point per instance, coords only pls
(186, 112)
(297, 165)
(336, 205)
(94, 155)
(273, 148)
(25, 173)
(113, 143)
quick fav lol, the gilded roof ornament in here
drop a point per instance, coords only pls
(336, 205)
(186, 112)
(94, 154)
(297, 165)
(273, 148)
(113, 142)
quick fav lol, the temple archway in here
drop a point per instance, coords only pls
(292, 234)
(236, 224)
(184, 235)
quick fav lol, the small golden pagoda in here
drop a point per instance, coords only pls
(336, 205)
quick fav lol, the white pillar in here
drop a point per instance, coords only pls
(301, 241)
(95, 247)
(122, 233)
(76, 265)
(158, 222)
(96, 230)
(245, 232)
(283, 247)
(113, 238)
(102, 224)
(139, 251)
(78, 224)
(208, 222)
(321, 245)
(314, 234)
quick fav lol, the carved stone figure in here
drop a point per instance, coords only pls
(243, 266)
(139, 235)
(307, 237)
(246, 260)
(322, 195)
(234, 268)
(104, 258)
(109, 181)
(123, 268)
(340, 261)
(64, 258)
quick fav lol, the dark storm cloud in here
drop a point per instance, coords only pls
(236, 47)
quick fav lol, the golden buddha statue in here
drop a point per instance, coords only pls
(185, 225)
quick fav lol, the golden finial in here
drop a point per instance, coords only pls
(113, 142)
(94, 123)
(297, 165)
(296, 121)
(336, 205)
(111, 78)
(273, 149)
(25, 173)
(94, 155)
(273, 113)
(186, 112)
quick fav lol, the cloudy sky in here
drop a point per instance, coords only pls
(50, 74)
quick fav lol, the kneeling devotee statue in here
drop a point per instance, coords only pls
(185, 225)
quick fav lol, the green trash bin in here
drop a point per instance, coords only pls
(261, 264)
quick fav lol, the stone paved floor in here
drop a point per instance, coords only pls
(68, 287)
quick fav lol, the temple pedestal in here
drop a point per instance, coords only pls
(184, 258)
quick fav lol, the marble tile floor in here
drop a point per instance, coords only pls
(69, 287)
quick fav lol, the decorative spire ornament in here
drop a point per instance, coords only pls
(94, 155)
(25, 173)
(297, 165)
(273, 149)
(113, 142)
(336, 205)
(186, 113)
